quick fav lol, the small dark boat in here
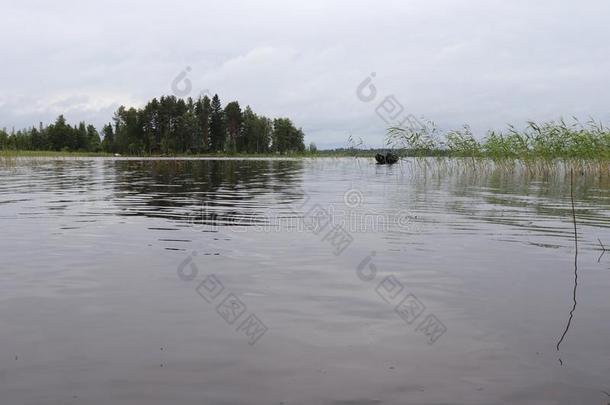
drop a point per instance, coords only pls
(380, 159)
(391, 158)
(387, 159)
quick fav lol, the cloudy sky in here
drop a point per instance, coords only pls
(482, 62)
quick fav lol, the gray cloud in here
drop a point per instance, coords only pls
(483, 62)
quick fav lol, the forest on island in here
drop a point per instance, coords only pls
(167, 126)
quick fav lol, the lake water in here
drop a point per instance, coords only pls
(327, 281)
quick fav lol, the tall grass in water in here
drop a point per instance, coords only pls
(539, 147)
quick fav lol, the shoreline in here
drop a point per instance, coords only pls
(368, 154)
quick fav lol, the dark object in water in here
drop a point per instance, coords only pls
(389, 158)
(380, 159)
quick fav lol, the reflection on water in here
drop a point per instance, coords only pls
(207, 191)
(575, 263)
(95, 306)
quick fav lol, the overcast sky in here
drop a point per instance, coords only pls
(482, 62)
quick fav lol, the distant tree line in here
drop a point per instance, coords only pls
(58, 136)
(167, 125)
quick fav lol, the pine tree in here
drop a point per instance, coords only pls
(60, 134)
(203, 110)
(93, 139)
(233, 119)
(217, 125)
(108, 144)
(82, 140)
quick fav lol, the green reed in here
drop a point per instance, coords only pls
(537, 141)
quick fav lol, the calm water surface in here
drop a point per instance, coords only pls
(330, 281)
